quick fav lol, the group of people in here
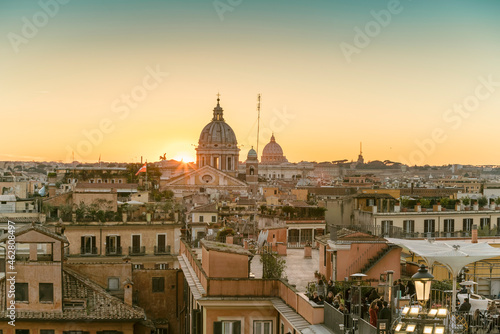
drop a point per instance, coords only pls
(406, 290)
(327, 293)
(376, 307)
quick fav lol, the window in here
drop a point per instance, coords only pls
(88, 245)
(136, 244)
(47, 331)
(158, 284)
(263, 327)
(467, 224)
(46, 292)
(449, 225)
(429, 225)
(109, 332)
(161, 266)
(227, 327)
(229, 163)
(214, 219)
(113, 283)
(75, 332)
(161, 331)
(386, 226)
(113, 245)
(138, 266)
(161, 240)
(22, 331)
(409, 226)
(485, 223)
(22, 292)
(201, 219)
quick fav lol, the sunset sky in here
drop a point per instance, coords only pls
(415, 81)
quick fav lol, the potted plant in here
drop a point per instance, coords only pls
(497, 202)
(466, 202)
(425, 202)
(482, 201)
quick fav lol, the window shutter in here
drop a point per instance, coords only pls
(237, 327)
(82, 242)
(217, 327)
(107, 243)
(93, 244)
(118, 242)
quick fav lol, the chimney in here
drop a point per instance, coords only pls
(458, 206)
(475, 206)
(436, 207)
(374, 209)
(127, 291)
(474, 234)
(418, 208)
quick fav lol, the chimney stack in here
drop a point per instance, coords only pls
(127, 291)
(474, 234)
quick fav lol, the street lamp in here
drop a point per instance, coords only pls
(357, 278)
(423, 280)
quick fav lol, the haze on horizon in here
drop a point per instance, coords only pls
(419, 85)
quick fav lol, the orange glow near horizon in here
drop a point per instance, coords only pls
(184, 157)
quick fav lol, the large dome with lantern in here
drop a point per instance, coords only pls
(273, 153)
(217, 145)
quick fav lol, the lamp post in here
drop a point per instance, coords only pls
(420, 321)
(358, 277)
(423, 280)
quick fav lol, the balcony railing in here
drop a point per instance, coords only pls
(22, 257)
(137, 250)
(44, 257)
(162, 250)
(113, 251)
(88, 251)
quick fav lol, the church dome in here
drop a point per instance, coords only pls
(217, 132)
(252, 154)
(273, 153)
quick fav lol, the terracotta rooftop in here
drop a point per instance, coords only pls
(37, 228)
(80, 185)
(99, 305)
(212, 207)
(374, 196)
(349, 235)
(246, 201)
(226, 248)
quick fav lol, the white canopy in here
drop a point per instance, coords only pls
(453, 254)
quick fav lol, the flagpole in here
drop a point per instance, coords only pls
(146, 174)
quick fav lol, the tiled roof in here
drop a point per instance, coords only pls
(5, 219)
(39, 228)
(212, 207)
(100, 305)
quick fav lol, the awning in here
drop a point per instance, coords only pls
(453, 254)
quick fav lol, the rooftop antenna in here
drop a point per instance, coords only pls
(258, 122)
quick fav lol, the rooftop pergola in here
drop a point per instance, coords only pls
(453, 254)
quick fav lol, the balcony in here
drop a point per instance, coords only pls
(113, 251)
(44, 257)
(162, 250)
(88, 251)
(136, 251)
